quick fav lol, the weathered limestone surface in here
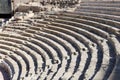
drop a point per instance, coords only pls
(62, 44)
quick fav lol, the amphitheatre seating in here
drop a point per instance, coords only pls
(20, 62)
(107, 10)
(79, 45)
(109, 23)
(51, 36)
(37, 57)
(13, 65)
(7, 67)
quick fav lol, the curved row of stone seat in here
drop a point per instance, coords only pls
(47, 61)
(16, 27)
(101, 15)
(63, 23)
(21, 71)
(82, 58)
(105, 10)
(99, 11)
(34, 27)
(20, 24)
(76, 36)
(65, 44)
(106, 33)
(27, 48)
(91, 25)
(100, 5)
(59, 24)
(66, 77)
(84, 26)
(29, 65)
(92, 17)
(5, 66)
(34, 55)
(95, 19)
(107, 28)
(13, 65)
(32, 51)
(103, 1)
(90, 43)
(56, 61)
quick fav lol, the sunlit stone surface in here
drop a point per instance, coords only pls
(61, 40)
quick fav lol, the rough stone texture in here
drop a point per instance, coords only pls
(60, 44)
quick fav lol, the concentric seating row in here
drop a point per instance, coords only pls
(64, 45)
